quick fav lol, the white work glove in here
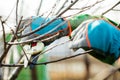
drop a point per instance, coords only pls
(78, 37)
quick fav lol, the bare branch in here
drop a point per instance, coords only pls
(48, 62)
(2, 23)
(39, 7)
(18, 25)
(37, 38)
(55, 6)
(20, 44)
(15, 35)
(17, 12)
(49, 38)
(111, 8)
(62, 6)
(84, 8)
(49, 49)
(9, 14)
(41, 63)
(9, 46)
(6, 51)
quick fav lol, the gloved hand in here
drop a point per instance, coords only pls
(78, 36)
(98, 34)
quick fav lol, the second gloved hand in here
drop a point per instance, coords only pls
(78, 36)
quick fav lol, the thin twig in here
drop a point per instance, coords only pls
(62, 6)
(55, 7)
(50, 12)
(9, 14)
(17, 28)
(20, 45)
(39, 7)
(6, 51)
(15, 34)
(84, 8)
(49, 38)
(50, 49)
(2, 23)
(48, 62)
(17, 11)
(24, 26)
(111, 8)
(65, 58)
(40, 36)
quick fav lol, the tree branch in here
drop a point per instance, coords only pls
(37, 38)
(9, 46)
(83, 8)
(39, 7)
(62, 6)
(111, 8)
(2, 23)
(17, 12)
(48, 62)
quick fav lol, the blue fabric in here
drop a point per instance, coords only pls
(105, 37)
(38, 21)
